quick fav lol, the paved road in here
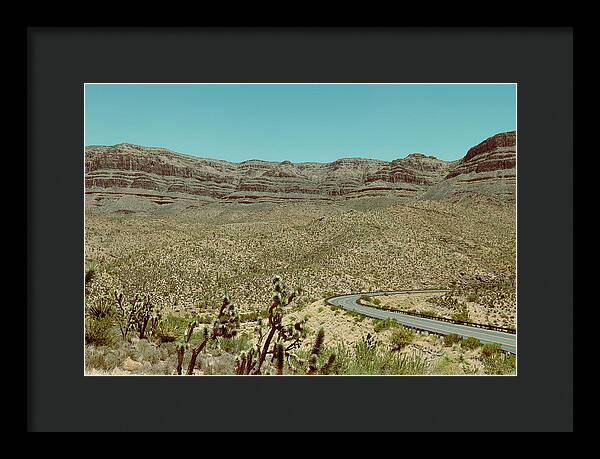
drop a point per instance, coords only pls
(507, 341)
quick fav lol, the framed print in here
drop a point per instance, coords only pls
(293, 220)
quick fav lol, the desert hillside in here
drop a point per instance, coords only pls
(189, 260)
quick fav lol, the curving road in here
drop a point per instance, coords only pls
(507, 341)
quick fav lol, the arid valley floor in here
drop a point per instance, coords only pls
(187, 259)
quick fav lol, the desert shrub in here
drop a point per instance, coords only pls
(451, 339)
(489, 350)
(223, 364)
(101, 358)
(384, 324)
(168, 330)
(236, 344)
(251, 316)
(99, 331)
(145, 351)
(401, 338)
(470, 343)
(447, 300)
(155, 360)
(302, 304)
(357, 316)
(90, 272)
(499, 364)
(368, 358)
(100, 308)
(205, 319)
(429, 313)
(462, 315)
(370, 299)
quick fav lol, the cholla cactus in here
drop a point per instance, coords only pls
(155, 320)
(313, 367)
(144, 310)
(225, 325)
(279, 341)
(135, 314)
(280, 355)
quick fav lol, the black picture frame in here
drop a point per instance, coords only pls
(61, 60)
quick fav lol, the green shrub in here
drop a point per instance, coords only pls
(236, 344)
(370, 299)
(100, 309)
(169, 329)
(489, 350)
(401, 338)
(451, 339)
(250, 316)
(470, 343)
(429, 313)
(499, 364)
(384, 324)
(367, 358)
(99, 331)
(462, 315)
(356, 315)
(90, 272)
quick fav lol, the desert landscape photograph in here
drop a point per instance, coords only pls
(300, 230)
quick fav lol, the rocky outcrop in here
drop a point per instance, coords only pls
(487, 170)
(494, 154)
(128, 177)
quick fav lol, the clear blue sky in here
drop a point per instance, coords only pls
(299, 122)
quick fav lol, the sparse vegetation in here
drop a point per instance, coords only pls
(451, 339)
(100, 308)
(90, 273)
(401, 337)
(384, 324)
(226, 325)
(369, 300)
(99, 331)
(490, 350)
(499, 363)
(184, 262)
(471, 343)
(369, 358)
(286, 340)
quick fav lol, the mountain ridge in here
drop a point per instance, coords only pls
(145, 178)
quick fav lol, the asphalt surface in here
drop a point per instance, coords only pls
(507, 341)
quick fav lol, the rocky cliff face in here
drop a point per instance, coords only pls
(488, 169)
(130, 178)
